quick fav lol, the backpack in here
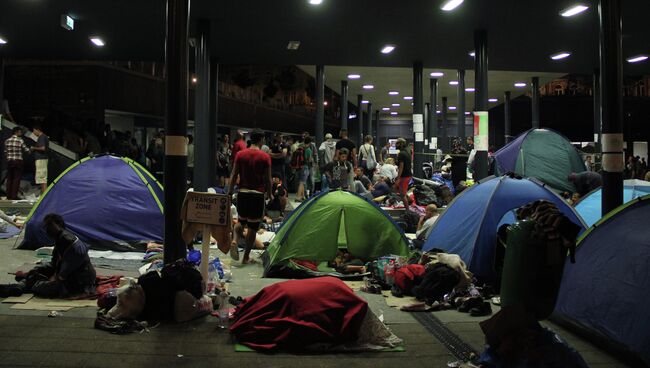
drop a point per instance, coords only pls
(326, 154)
(424, 195)
(298, 158)
(368, 157)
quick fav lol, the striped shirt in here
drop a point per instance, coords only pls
(14, 148)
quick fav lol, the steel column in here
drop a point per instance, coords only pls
(460, 106)
(175, 163)
(535, 102)
(320, 104)
(214, 120)
(597, 117)
(480, 98)
(202, 160)
(369, 117)
(432, 121)
(2, 84)
(360, 119)
(507, 118)
(611, 99)
(344, 105)
(418, 113)
(444, 140)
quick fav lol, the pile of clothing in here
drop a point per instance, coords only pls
(154, 252)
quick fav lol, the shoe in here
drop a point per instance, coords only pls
(234, 252)
(482, 310)
(470, 303)
(10, 290)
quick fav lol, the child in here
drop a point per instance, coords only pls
(338, 171)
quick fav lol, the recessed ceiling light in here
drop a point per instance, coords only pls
(436, 74)
(352, 116)
(472, 53)
(452, 107)
(393, 112)
(493, 100)
(315, 2)
(470, 89)
(636, 59)
(453, 83)
(194, 79)
(293, 45)
(520, 84)
(408, 97)
(325, 103)
(387, 49)
(364, 101)
(451, 5)
(97, 41)
(395, 105)
(393, 93)
(466, 112)
(354, 76)
(2, 41)
(385, 108)
(368, 86)
(560, 55)
(575, 9)
(438, 111)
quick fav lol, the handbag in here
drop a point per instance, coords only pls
(369, 161)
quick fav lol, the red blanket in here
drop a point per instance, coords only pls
(293, 314)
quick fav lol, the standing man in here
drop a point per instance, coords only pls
(384, 154)
(278, 154)
(404, 172)
(238, 145)
(252, 167)
(14, 148)
(326, 153)
(40, 156)
(344, 142)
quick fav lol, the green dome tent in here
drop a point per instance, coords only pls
(542, 154)
(317, 229)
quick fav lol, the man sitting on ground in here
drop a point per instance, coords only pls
(338, 171)
(362, 185)
(279, 202)
(70, 271)
(425, 225)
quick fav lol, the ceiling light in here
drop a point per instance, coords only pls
(437, 74)
(470, 89)
(293, 45)
(493, 100)
(453, 83)
(520, 84)
(452, 107)
(365, 101)
(576, 9)
(438, 111)
(67, 22)
(393, 112)
(2, 41)
(395, 105)
(352, 116)
(194, 80)
(385, 108)
(450, 5)
(368, 86)
(560, 55)
(315, 2)
(325, 103)
(393, 93)
(387, 49)
(636, 59)
(408, 97)
(466, 112)
(472, 53)
(97, 41)
(354, 76)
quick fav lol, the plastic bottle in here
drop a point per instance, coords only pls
(212, 279)
(390, 273)
(224, 309)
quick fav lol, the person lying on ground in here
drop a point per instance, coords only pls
(70, 271)
(425, 225)
(338, 171)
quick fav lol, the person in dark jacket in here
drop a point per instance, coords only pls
(70, 271)
(585, 181)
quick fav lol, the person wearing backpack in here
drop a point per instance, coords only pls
(326, 153)
(367, 158)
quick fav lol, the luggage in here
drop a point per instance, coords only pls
(424, 195)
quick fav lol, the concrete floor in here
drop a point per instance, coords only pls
(31, 339)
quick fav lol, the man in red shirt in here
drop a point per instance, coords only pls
(238, 145)
(252, 167)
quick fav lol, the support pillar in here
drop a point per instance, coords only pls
(374, 133)
(427, 113)
(360, 119)
(444, 138)
(597, 117)
(214, 120)
(460, 106)
(418, 119)
(202, 160)
(535, 102)
(507, 118)
(344, 105)
(369, 117)
(481, 104)
(2, 85)
(175, 162)
(320, 104)
(611, 99)
(432, 122)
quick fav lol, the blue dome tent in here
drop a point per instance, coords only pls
(590, 206)
(605, 293)
(469, 225)
(109, 202)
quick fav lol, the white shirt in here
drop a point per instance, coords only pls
(389, 171)
(426, 228)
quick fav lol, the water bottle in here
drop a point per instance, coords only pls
(224, 309)
(212, 279)
(390, 273)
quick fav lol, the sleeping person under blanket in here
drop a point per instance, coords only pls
(346, 263)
